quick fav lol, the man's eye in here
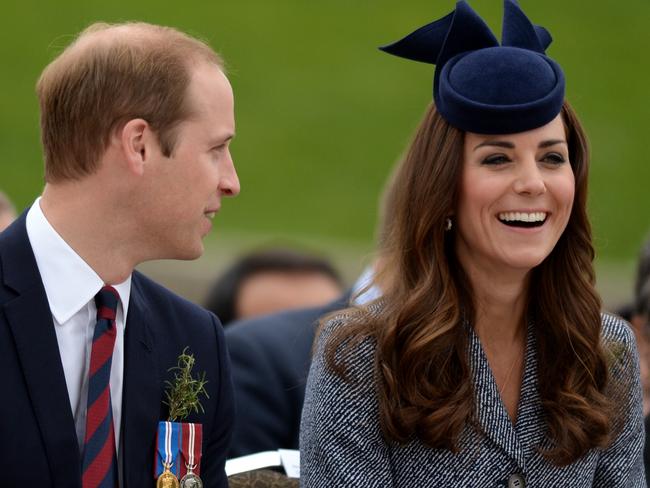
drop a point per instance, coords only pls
(496, 159)
(554, 158)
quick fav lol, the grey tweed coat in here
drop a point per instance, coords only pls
(342, 446)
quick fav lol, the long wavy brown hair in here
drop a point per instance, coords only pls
(425, 388)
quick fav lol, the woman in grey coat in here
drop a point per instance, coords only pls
(486, 362)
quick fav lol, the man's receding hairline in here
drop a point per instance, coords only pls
(132, 33)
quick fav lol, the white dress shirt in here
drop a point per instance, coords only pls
(364, 290)
(71, 285)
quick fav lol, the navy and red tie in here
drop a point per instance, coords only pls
(100, 456)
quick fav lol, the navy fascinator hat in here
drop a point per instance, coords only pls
(481, 86)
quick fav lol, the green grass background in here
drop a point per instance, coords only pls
(322, 114)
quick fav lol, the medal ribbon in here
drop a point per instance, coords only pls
(168, 446)
(191, 449)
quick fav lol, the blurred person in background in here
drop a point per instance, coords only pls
(271, 356)
(486, 362)
(272, 280)
(641, 325)
(7, 212)
(629, 310)
(136, 124)
(640, 320)
(639, 317)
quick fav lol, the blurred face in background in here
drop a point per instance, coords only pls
(273, 291)
(7, 216)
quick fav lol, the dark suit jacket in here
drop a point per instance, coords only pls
(38, 443)
(270, 357)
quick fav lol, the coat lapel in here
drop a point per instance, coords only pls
(30, 320)
(491, 412)
(530, 426)
(142, 394)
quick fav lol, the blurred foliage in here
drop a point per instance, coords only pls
(322, 114)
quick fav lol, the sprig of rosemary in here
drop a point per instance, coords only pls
(183, 394)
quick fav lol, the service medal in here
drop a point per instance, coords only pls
(191, 480)
(167, 480)
(190, 468)
(168, 443)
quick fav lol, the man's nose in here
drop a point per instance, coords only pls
(229, 182)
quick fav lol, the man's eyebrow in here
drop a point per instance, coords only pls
(551, 142)
(505, 144)
(223, 139)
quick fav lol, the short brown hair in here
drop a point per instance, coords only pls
(109, 75)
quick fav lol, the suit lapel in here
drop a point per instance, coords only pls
(142, 393)
(30, 320)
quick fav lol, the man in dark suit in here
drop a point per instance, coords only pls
(136, 122)
(270, 357)
(270, 361)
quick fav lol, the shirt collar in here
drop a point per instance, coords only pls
(69, 282)
(364, 290)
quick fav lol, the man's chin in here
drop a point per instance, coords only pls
(189, 252)
(194, 253)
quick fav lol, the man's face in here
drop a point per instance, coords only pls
(187, 187)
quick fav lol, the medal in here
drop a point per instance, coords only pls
(190, 480)
(191, 456)
(166, 469)
(167, 479)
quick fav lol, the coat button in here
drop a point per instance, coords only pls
(516, 481)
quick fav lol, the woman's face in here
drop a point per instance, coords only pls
(516, 196)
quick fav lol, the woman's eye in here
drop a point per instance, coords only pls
(496, 159)
(554, 158)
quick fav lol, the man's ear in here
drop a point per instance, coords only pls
(135, 141)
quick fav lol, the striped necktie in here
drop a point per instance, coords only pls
(100, 457)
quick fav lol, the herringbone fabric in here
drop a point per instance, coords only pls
(100, 457)
(342, 444)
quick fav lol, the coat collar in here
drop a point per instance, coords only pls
(30, 321)
(519, 440)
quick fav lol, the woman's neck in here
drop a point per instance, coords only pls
(500, 301)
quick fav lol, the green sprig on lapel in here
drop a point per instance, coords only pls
(183, 394)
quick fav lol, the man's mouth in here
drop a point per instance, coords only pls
(523, 219)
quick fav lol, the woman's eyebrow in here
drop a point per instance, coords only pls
(510, 145)
(551, 142)
(505, 144)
